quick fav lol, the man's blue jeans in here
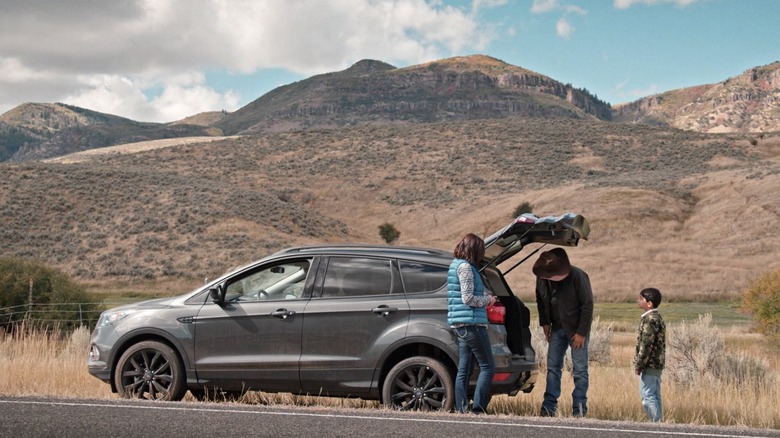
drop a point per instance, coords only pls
(473, 343)
(650, 391)
(556, 352)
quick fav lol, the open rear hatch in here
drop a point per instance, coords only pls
(564, 230)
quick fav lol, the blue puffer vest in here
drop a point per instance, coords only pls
(457, 311)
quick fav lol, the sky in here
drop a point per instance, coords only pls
(163, 60)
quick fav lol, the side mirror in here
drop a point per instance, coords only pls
(217, 293)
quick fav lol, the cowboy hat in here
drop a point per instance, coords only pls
(552, 263)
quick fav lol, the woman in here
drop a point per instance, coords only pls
(467, 315)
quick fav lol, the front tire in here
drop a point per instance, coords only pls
(419, 384)
(150, 370)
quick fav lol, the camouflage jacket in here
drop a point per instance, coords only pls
(651, 344)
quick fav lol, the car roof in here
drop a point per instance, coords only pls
(404, 252)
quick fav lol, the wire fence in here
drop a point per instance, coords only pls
(52, 315)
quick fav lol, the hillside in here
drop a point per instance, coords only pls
(749, 102)
(690, 213)
(37, 131)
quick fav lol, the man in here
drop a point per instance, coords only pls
(565, 302)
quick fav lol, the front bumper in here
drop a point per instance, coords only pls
(97, 367)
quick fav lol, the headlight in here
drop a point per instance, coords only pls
(113, 317)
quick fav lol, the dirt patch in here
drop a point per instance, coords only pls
(133, 148)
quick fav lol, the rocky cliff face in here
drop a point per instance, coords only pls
(460, 88)
(748, 103)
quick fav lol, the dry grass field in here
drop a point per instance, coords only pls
(27, 365)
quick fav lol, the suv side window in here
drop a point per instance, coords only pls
(357, 276)
(282, 281)
(422, 277)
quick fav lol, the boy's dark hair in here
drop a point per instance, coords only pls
(652, 295)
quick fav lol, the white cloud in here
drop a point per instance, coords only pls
(111, 54)
(625, 4)
(181, 95)
(543, 6)
(564, 28)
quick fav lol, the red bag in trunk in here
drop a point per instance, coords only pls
(496, 313)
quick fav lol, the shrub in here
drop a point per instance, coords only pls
(46, 297)
(525, 207)
(599, 344)
(762, 300)
(692, 350)
(389, 232)
(695, 354)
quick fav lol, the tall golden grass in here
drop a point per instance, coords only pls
(35, 363)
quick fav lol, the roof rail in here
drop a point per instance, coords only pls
(363, 247)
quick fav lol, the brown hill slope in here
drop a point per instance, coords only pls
(749, 102)
(693, 214)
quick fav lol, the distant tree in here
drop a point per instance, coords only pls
(389, 232)
(30, 291)
(525, 207)
(762, 301)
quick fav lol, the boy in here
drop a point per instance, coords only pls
(650, 353)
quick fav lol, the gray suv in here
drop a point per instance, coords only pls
(364, 321)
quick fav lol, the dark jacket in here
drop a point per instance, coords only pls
(574, 298)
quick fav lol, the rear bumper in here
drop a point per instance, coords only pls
(520, 377)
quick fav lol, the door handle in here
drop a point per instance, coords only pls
(384, 310)
(282, 313)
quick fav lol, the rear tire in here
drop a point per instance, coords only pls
(419, 383)
(150, 370)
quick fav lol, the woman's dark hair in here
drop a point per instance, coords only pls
(471, 249)
(652, 295)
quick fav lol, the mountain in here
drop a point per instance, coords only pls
(746, 103)
(202, 119)
(374, 92)
(36, 131)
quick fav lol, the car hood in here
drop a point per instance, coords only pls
(564, 230)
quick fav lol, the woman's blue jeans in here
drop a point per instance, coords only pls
(473, 343)
(556, 352)
(650, 392)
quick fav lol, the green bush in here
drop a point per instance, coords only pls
(525, 207)
(762, 301)
(388, 232)
(41, 296)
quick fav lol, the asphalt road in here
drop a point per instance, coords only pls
(44, 417)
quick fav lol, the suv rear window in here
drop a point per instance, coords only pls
(422, 277)
(354, 276)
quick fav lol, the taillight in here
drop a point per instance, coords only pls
(501, 377)
(496, 313)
